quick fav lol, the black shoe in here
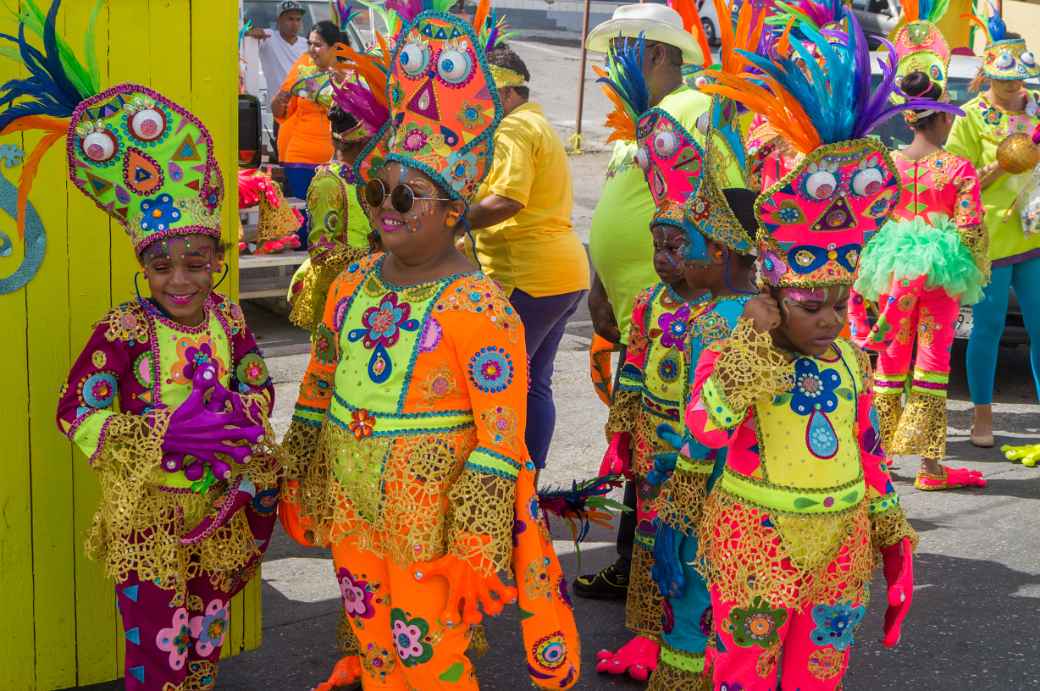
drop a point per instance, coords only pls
(610, 583)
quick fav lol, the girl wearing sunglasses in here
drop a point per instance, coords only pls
(409, 427)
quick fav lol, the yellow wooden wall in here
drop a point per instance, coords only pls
(58, 621)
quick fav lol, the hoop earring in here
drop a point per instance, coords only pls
(225, 275)
(136, 288)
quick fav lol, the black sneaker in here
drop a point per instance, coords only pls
(610, 583)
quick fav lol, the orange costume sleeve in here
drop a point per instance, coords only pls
(304, 134)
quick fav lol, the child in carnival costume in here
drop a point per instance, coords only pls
(804, 503)
(928, 260)
(653, 382)
(410, 419)
(170, 397)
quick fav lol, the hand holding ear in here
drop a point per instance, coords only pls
(763, 311)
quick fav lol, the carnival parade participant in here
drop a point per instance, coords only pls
(301, 109)
(790, 531)
(651, 384)
(923, 264)
(1004, 110)
(281, 47)
(524, 237)
(620, 248)
(410, 421)
(170, 396)
(339, 229)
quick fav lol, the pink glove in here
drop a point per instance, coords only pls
(618, 458)
(899, 575)
(202, 432)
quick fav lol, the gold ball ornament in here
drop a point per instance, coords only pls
(1017, 153)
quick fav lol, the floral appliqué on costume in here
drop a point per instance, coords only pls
(491, 370)
(176, 639)
(836, 626)
(209, 629)
(815, 394)
(382, 329)
(410, 638)
(190, 354)
(357, 594)
(674, 327)
(757, 625)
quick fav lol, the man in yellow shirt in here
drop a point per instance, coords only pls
(524, 237)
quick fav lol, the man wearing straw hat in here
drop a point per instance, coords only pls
(620, 244)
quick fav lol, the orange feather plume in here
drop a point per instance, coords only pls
(480, 15)
(691, 20)
(372, 68)
(780, 107)
(748, 33)
(977, 21)
(54, 129)
(622, 128)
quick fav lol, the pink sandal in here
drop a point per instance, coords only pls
(637, 658)
(951, 478)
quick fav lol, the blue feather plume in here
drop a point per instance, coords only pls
(48, 90)
(626, 75)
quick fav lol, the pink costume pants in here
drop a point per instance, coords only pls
(910, 313)
(810, 646)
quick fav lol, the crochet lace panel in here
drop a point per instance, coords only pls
(681, 502)
(643, 604)
(750, 367)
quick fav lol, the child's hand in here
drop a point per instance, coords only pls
(763, 311)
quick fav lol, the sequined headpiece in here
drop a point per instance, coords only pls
(143, 159)
(919, 44)
(814, 220)
(441, 101)
(1005, 59)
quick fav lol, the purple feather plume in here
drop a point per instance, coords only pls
(358, 100)
(407, 10)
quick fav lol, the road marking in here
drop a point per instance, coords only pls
(548, 51)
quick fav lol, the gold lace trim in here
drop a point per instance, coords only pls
(976, 239)
(408, 498)
(138, 525)
(889, 528)
(889, 407)
(202, 676)
(922, 427)
(645, 443)
(791, 565)
(624, 409)
(481, 520)
(643, 603)
(681, 502)
(346, 639)
(308, 304)
(750, 367)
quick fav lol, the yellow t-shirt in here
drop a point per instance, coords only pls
(536, 250)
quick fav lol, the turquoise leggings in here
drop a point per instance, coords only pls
(989, 316)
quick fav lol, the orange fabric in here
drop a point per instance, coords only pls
(304, 134)
(397, 622)
(600, 370)
(549, 631)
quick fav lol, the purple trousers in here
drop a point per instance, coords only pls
(544, 321)
(173, 645)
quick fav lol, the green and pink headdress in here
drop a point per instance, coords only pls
(441, 104)
(919, 44)
(143, 159)
(814, 221)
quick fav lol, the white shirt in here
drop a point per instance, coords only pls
(277, 57)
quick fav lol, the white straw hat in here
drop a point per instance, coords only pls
(656, 22)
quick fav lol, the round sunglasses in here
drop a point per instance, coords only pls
(402, 197)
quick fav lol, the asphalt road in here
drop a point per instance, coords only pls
(977, 603)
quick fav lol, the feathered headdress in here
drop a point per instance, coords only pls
(142, 158)
(814, 220)
(919, 43)
(361, 88)
(1005, 59)
(669, 155)
(441, 105)
(342, 14)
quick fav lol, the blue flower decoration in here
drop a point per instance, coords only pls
(835, 626)
(99, 390)
(491, 370)
(813, 389)
(159, 214)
